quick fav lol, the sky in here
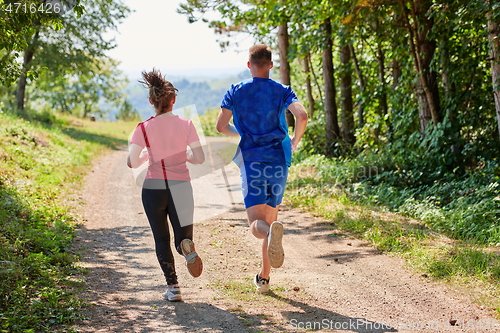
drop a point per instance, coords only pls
(154, 35)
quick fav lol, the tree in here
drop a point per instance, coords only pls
(19, 31)
(84, 93)
(429, 54)
(72, 47)
(494, 32)
(283, 45)
(331, 118)
(346, 115)
(362, 87)
(29, 52)
(422, 49)
(382, 93)
(307, 69)
(127, 112)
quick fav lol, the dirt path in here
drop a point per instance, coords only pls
(328, 283)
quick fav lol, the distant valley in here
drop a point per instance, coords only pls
(205, 93)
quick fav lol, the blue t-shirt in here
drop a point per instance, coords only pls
(258, 107)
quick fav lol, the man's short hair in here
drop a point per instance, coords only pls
(260, 55)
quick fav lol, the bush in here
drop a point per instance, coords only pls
(462, 206)
(208, 121)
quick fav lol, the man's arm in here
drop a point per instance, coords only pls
(223, 126)
(301, 119)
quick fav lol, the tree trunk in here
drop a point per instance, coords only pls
(396, 73)
(422, 50)
(362, 88)
(23, 80)
(347, 114)
(307, 70)
(285, 65)
(28, 57)
(315, 77)
(396, 78)
(445, 64)
(382, 103)
(21, 91)
(493, 28)
(332, 123)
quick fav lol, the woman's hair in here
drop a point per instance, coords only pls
(161, 91)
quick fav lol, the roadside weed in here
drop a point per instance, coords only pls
(42, 162)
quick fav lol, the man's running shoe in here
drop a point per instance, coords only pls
(261, 284)
(275, 250)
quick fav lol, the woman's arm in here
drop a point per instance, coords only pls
(136, 156)
(196, 155)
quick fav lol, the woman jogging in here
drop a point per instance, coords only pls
(163, 141)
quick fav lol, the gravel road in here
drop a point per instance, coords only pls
(330, 283)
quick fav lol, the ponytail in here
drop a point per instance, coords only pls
(161, 91)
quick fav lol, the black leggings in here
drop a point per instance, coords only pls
(158, 198)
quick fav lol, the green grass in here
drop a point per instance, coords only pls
(243, 289)
(43, 158)
(467, 264)
(236, 291)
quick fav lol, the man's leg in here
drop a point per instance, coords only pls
(260, 217)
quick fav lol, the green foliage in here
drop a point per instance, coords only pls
(43, 158)
(380, 33)
(61, 58)
(208, 121)
(463, 206)
(349, 194)
(18, 23)
(127, 112)
(97, 86)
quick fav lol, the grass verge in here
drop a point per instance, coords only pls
(43, 158)
(472, 267)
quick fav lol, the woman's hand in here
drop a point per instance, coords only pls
(195, 154)
(137, 156)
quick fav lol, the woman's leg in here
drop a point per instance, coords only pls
(181, 211)
(156, 204)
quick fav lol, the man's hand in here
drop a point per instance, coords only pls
(223, 126)
(301, 119)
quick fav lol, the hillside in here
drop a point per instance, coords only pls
(43, 158)
(205, 93)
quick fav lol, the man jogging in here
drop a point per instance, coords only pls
(258, 107)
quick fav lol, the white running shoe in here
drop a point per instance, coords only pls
(261, 284)
(275, 251)
(173, 294)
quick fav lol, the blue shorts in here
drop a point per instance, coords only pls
(263, 183)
